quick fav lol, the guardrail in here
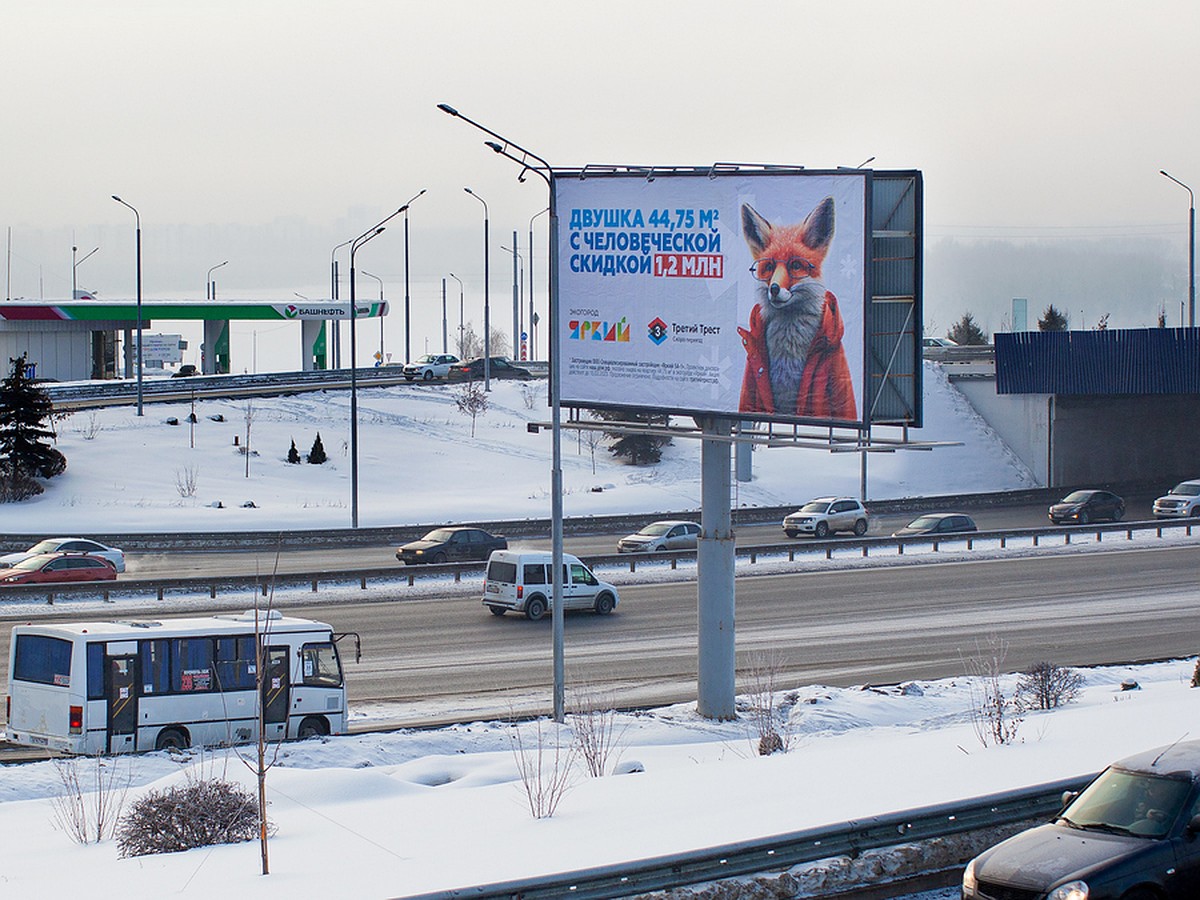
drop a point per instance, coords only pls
(781, 852)
(789, 549)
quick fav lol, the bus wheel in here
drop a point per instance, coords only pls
(311, 728)
(171, 739)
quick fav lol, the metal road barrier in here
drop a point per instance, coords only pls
(781, 852)
(314, 579)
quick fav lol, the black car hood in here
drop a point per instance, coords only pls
(1066, 507)
(414, 546)
(1042, 857)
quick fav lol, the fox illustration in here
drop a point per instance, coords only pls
(795, 364)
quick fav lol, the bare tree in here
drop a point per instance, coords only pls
(768, 720)
(598, 739)
(185, 480)
(89, 813)
(249, 415)
(471, 400)
(545, 767)
(995, 716)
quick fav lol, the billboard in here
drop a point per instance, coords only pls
(741, 294)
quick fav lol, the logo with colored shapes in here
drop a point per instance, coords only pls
(658, 330)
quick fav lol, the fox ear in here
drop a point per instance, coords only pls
(756, 230)
(817, 229)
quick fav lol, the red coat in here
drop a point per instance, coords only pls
(826, 391)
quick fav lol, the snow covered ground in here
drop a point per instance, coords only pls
(386, 815)
(418, 463)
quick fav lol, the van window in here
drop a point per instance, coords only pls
(581, 575)
(535, 574)
(504, 572)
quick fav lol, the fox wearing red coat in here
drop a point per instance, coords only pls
(795, 364)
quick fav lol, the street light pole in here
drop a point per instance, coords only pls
(487, 320)
(461, 324)
(210, 289)
(138, 222)
(380, 280)
(1191, 248)
(407, 321)
(543, 169)
(335, 325)
(74, 266)
(516, 290)
(355, 243)
(532, 314)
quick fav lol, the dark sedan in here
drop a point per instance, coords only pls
(1134, 832)
(498, 367)
(938, 523)
(1082, 507)
(443, 545)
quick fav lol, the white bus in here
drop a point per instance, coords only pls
(115, 687)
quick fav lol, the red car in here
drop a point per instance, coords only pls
(59, 568)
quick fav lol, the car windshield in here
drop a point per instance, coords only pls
(30, 563)
(1186, 489)
(656, 529)
(1077, 497)
(439, 534)
(1129, 802)
(46, 546)
(815, 506)
(427, 359)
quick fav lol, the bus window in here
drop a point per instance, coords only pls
(95, 671)
(191, 664)
(155, 666)
(236, 665)
(42, 660)
(322, 668)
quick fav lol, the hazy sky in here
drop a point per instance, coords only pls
(265, 132)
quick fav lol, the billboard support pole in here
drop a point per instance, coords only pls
(716, 661)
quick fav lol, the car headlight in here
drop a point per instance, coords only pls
(1072, 890)
(969, 883)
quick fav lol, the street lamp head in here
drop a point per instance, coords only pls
(496, 148)
(447, 109)
(468, 190)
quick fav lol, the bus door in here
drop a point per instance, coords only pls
(121, 693)
(276, 694)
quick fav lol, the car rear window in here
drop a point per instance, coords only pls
(503, 572)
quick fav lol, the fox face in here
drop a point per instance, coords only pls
(787, 266)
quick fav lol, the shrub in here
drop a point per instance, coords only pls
(598, 737)
(293, 455)
(1047, 686)
(995, 716)
(1196, 675)
(16, 486)
(200, 814)
(316, 455)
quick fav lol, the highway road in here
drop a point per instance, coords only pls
(293, 558)
(448, 659)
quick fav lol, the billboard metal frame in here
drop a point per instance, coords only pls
(890, 379)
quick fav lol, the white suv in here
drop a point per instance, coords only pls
(1181, 502)
(825, 515)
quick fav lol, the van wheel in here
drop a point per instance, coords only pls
(604, 604)
(171, 739)
(860, 527)
(497, 610)
(311, 728)
(535, 608)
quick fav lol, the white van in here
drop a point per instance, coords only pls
(520, 580)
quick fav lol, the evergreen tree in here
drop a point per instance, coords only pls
(966, 332)
(1052, 320)
(293, 454)
(316, 455)
(25, 433)
(638, 448)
